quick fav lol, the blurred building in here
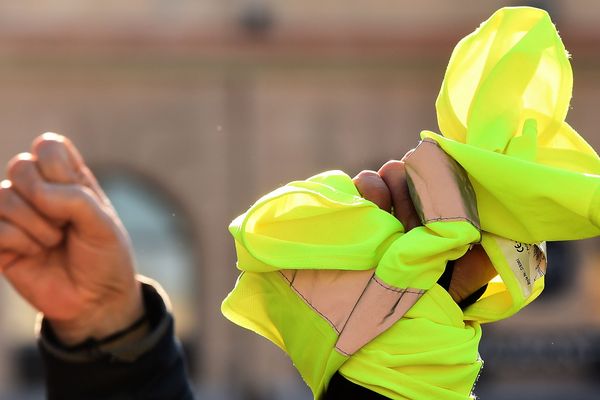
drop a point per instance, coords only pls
(189, 111)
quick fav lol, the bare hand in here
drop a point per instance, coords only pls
(389, 190)
(62, 245)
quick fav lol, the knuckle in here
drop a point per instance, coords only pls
(47, 138)
(38, 194)
(366, 174)
(19, 163)
(372, 188)
(53, 238)
(83, 197)
(91, 199)
(31, 247)
(391, 167)
(8, 234)
(85, 205)
(364, 180)
(50, 151)
(47, 145)
(53, 158)
(9, 201)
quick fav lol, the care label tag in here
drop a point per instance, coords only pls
(527, 261)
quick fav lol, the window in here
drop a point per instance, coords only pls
(160, 233)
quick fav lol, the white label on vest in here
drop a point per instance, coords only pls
(527, 262)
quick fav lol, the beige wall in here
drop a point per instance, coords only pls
(217, 128)
(404, 15)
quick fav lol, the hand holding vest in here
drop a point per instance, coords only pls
(337, 283)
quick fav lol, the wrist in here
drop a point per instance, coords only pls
(102, 321)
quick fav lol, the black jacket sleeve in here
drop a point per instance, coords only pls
(151, 368)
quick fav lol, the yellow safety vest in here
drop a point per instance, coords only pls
(338, 285)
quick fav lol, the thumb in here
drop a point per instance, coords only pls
(72, 203)
(393, 174)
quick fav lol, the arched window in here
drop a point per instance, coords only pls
(161, 237)
(164, 250)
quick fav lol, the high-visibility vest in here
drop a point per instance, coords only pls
(339, 285)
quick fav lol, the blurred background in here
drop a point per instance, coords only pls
(189, 110)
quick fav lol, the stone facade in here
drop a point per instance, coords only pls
(219, 102)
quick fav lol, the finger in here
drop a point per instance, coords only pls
(393, 174)
(373, 188)
(15, 240)
(18, 212)
(53, 160)
(76, 204)
(471, 272)
(59, 161)
(7, 258)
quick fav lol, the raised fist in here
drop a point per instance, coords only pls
(62, 245)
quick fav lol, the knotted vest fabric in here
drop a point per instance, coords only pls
(338, 284)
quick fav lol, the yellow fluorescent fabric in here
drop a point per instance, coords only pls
(265, 304)
(322, 223)
(501, 112)
(529, 201)
(502, 119)
(420, 357)
(431, 353)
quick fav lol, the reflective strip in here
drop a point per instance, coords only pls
(439, 187)
(357, 304)
(331, 293)
(378, 308)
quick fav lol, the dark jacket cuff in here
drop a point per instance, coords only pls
(150, 368)
(120, 347)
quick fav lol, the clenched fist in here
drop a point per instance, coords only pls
(388, 189)
(62, 245)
